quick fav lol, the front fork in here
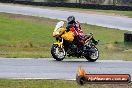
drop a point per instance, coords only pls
(59, 43)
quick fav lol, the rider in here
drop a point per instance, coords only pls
(75, 27)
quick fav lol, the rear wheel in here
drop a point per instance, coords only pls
(57, 52)
(92, 56)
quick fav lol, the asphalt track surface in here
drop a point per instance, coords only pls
(48, 68)
(123, 23)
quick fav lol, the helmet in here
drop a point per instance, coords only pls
(71, 19)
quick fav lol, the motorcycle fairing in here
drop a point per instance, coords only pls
(69, 36)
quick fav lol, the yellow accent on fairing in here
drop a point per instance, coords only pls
(61, 31)
(88, 39)
(54, 34)
(58, 32)
(69, 36)
(58, 43)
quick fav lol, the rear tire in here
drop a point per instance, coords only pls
(57, 52)
(92, 57)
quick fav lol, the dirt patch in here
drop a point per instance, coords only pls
(108, 85)
(128, 50)
(116, 86)
(110, 46)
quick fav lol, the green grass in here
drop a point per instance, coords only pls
(54, 84)
(27, 36)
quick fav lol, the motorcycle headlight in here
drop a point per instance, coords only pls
(55, 33)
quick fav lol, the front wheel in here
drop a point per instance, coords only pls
(92, 56)
(57, 52)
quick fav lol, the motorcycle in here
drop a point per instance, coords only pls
(65, 46)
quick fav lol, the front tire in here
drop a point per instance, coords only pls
(57, 52)
(92, 56)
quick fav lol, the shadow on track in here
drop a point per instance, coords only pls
(75, 61)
